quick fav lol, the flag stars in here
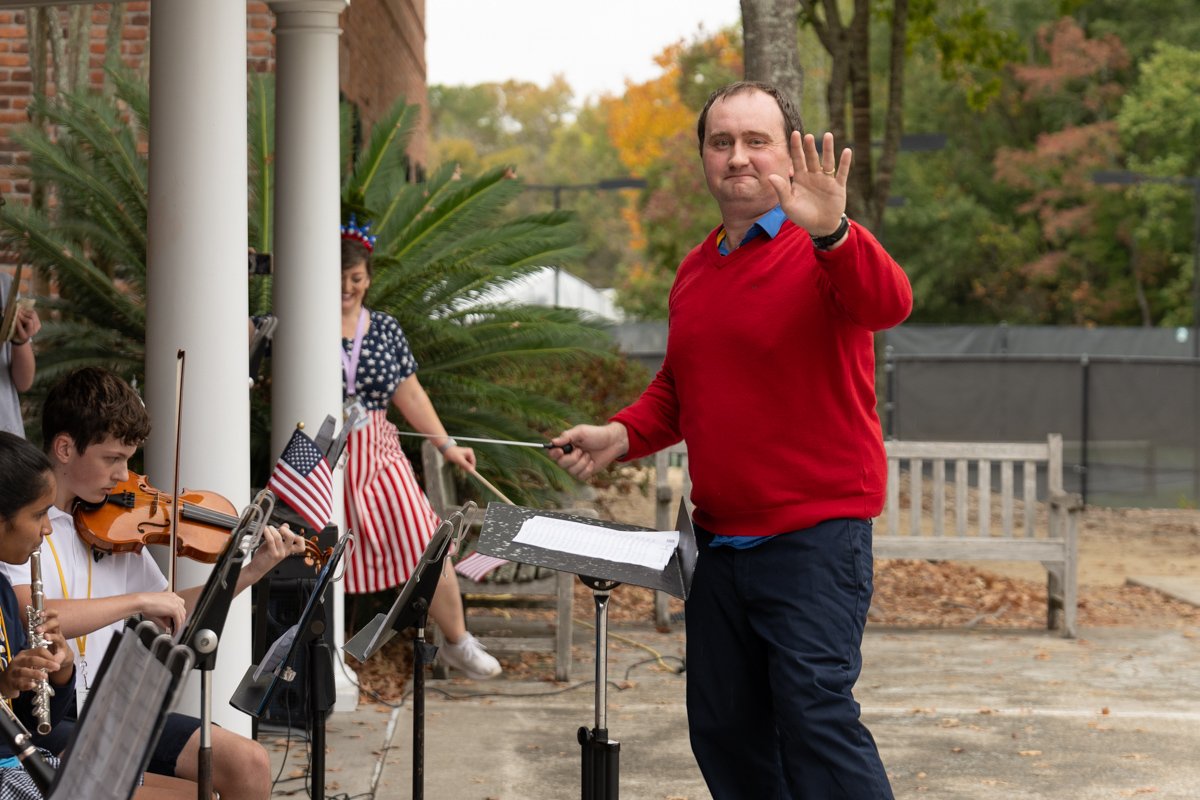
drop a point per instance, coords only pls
(386, 360)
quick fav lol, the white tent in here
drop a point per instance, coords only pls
(551, 286)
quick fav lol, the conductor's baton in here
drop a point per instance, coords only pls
(566, 448)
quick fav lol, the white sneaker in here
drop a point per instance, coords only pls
(470, 656)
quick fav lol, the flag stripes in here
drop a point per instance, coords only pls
(386, 508)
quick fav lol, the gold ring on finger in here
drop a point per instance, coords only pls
(829, 171)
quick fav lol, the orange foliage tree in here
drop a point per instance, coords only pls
(653, 130)
(1071, 277)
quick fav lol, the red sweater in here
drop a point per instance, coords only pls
(770, 378)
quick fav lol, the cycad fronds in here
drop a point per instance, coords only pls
(444, 249)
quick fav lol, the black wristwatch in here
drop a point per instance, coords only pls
(826, 242)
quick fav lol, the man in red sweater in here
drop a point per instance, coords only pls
(770, 378)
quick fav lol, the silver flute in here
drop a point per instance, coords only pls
(36, 615)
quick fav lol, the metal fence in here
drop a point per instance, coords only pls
(1126, 400)
(1130, 424)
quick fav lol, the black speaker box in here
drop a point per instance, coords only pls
(278, 601)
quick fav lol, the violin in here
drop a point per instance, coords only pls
(135, 514)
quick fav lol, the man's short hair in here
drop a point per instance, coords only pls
(791, 117)
(90, 404)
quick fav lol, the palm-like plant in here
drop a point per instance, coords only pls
(443, 250)
(92, 241)
(444, 247)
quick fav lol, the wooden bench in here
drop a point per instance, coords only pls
(974, 522)
(979, 522)
(554, 591)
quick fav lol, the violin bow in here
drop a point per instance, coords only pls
(180, 357)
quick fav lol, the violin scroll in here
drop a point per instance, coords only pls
(314, 555)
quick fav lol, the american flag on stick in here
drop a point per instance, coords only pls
(303, 480)
(476, 566)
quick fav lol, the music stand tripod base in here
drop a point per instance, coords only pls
(503, 524)
(601, 756)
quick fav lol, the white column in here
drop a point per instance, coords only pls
(306, 365)
(197, 286)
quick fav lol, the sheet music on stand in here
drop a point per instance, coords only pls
(619, 552)
(124, 716)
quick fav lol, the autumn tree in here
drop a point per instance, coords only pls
(653, 130)
(969, 47)
(1072, 278)
(1159, 125)
(498, 124)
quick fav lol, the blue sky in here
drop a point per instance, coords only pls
(595, 44)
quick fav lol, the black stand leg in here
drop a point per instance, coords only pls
(423, 654)
(205, 646)
(601, 756)
(320, 698)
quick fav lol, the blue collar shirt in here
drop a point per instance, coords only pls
(769, 224)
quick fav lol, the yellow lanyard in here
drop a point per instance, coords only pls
(8, 653)
(80, 641)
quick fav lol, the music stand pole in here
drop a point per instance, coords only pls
(320, 696)
(423, 654)
(601, 757)
(205, 644)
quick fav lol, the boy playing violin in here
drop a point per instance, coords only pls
(92, 424)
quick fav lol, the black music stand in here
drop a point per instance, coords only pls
(502, 524)
(262, 681)
(411, 609)
(112, 742)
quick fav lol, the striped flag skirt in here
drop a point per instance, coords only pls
(389, 514)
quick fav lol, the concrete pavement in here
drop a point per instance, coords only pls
(956, 713)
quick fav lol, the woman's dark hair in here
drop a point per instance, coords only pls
(90, 404)
(791, 117)
(355, 252)
(24, 474)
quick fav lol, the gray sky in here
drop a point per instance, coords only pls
(595, 44)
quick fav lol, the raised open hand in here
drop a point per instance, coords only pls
(815, 197)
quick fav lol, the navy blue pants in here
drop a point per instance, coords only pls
(773, 651)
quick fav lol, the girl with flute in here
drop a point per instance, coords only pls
(26, 494)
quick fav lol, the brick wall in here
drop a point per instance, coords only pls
(382, 52)
(383, 58)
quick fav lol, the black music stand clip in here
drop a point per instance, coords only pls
(411, 610)
(502, 524)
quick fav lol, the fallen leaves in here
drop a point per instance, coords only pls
(946, 594)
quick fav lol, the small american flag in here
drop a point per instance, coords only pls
(476, 566)
(302, 479)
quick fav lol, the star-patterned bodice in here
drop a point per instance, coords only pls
(384, 361)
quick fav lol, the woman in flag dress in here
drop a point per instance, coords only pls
(385, 507)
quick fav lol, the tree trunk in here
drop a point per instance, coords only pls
(112, 44)
(59, 55)
(769, 32)
(860, 202)
(893, 123)
(37, 28)
(849, 47)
